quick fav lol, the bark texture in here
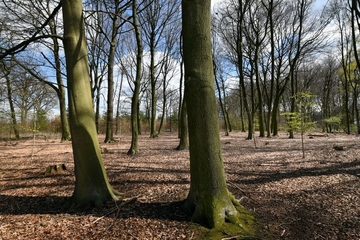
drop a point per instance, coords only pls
(208, 201)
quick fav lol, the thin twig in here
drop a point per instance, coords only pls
(234, 185)
(117, 207)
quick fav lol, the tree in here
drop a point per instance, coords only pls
(329, 92)
(255, 36)
(60, 88)
(233, 36)
(154, 19)
(40, 27)
(10, 100)
(134, 148)
(209, 200)
(299, 121)
(345, 46)
(220, 77)
(184, 141)
(97, 52)
(115, 26)
(92, 186)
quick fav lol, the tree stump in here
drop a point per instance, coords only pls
(55, 169)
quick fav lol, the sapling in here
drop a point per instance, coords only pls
(299, 121)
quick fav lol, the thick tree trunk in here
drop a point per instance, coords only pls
(92, 187)
(209, 201)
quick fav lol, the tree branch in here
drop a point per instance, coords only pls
(22, 46)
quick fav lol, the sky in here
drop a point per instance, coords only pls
(318, 3)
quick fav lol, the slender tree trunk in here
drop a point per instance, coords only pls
(163, 104)
(109, 136)
(134, 148)
(292, 100)
(153, 88)
(272, 80)
(209, 200)
(355, 14)
(180, 92)
(65, 128)
(241, 112)
(97, 110)
(12, 109)
(260, 95)
(227, 118)
(117, 123)
(220, 101)
(91, 186)
(184, 142)
(139, 117)
(274, 115)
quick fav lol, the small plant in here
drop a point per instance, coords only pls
(300, 121)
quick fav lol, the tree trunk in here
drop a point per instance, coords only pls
(272, 79)
(153, 88)
(274, 116)
(12, 108)
(180, 90)
(184, 142)
(221, 102)
(109, 136)
(117, 123)
(260, 94)
(65, 128)
(209, 200)
(134, 148)
(92, 187)
(163, 104)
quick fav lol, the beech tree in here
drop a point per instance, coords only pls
(209, 200)
(92, 186)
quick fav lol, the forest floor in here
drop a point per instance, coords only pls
(316, 197)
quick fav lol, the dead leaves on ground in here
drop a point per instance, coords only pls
(293, 198)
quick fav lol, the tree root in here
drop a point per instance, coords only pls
(223, 217)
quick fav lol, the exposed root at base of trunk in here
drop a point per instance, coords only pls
(94, 201)
(132, 152)
(222, 217)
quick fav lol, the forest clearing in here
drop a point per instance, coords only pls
(316, 197)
